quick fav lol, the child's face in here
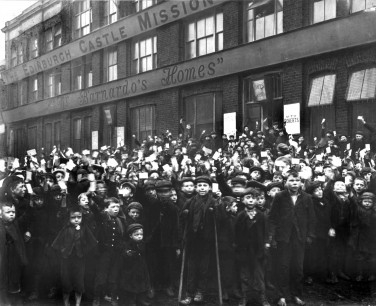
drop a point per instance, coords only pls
(256, 175)
(367, 203)
(38, 201)
(101, 190)
(233, 208)
(293, 183)
(84, 202)
(137, 235)
(174, 196)
(278, 178)
(58, 197)
(203, 188)
(8, 213)
(152, 193)
(134, 213)
(359, 186)
(49, 181)
(261, 200)
(125, 191)
(318, 193)
(113, 209)
(188, 187)
(249, 200)
(272, 192)
(75, 218)
(19, 190)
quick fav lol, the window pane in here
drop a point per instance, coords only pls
(318, 11)
(355, 86)
(148, 46)
(250, 31)
(204, 109)
(210, 44)
(77, 129)
(279, 22)
(192, 49)
(219, 22)
(370, 3)
(369, 84)
(260, 28)
(201, 28)
(220, 41)
(48, 137)
(202, 46)
(259, 90)
(357, 5)
(269, 25)
(209, 25)
(328, 89)
(316, 89)
(330, 9)
(142, 48)
(191, 31)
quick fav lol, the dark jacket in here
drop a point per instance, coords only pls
(322, 210)
(134, 276)
(285, 216)
(225, 229)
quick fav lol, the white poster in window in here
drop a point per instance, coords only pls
(120, 136)
(94, 140)
(259, 90)
(291, 115)
(229, 124)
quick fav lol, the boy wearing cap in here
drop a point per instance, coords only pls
(363, 238)
(250, 245)
(134, 212)
(198, 220)
(291, 227)
(11, 247)
(134, 277)
(316, 259)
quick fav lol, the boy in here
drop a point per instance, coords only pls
(271, 190)
(250, 241)
(110, 238)
(135, 281)
(316, 263)
(363, 238)
(134, 211)
(11, 247)
(291, 226)
(199, 224)
(73, 243)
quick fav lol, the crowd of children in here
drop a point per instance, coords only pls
(119, 224)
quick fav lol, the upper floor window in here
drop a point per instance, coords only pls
(53, 37)
(362, 85)
(361, 5)
(13, 57)
(20, 54)
(82, 73)
(264, 18)
(204, 36)
(53, 83)
(16, 55)
(324, 10)
(34, 88)
(262, 88)
(144, 54)
(110, 61)
(322, 90)
(143, 4)
(34, 52)
(83, 17)
(111, 11)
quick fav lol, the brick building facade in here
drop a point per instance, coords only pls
(89, 73)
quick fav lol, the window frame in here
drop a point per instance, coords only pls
(139, 4)
(365, 2)
(137, 130)
(276, 20)
(195, 38)
(137, 61)
(325, 7)
(34, 47)
(82, 9)
(53, 83)
(249, 90)
(365, 69)
(324, 77)
(110, 63)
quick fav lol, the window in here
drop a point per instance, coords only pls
(34, 47)
(32, 137)
(322, 90)
(110, 64)
(22, 89)
(57, 134)
(53, 83)
(77, 135)
(143, 121)
(362, 85)
(204, 36)
(111, 11)
(13, 95)
(144, 55)
(259, 89)
(53, 37)
(82, 74)
(204, 112)
(19, 54)
(140, 5)
(324, 10)
(87, 133)
(361, 5)
(83, 17)
(48, 142)
(13, 57)
(34, 88)
(264, 18)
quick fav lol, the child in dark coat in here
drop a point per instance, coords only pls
(363, 238)
(199, 218)
(250, 240)
(12, 253)
(135, 281)
(73, 243)
(225, 215)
